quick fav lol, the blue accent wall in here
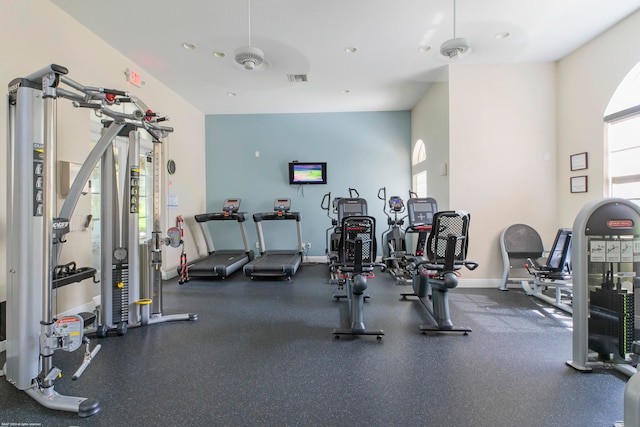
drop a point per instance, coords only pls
(364, 150)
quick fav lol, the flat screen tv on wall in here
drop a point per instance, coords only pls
(307, 173)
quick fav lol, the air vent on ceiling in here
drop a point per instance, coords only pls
(297, 78)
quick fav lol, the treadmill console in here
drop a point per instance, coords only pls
(231, 205)
(282, 205)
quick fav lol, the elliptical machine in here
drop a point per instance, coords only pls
(394, 245)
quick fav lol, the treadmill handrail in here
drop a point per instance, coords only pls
(221, 216)
(270, 216)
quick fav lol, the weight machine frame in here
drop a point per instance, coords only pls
(36, 236)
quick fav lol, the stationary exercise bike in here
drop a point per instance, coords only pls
(435, 274)
(340, 207)
(357, 254)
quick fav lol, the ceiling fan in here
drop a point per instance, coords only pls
(249, 57)
(456, 47)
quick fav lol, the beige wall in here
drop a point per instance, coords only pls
(430, 123)
(502, 153)
(587, 79)
(501, 148)
(32, 37)
(512, 130)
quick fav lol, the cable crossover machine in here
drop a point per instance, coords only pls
(130, 277)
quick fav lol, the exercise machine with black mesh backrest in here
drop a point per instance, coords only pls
(341, 207)
(355, 264)
(446, 252)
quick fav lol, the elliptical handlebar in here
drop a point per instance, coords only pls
(325, 203)
(382, 190)
(383, 197)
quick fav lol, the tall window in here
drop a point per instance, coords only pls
(145, 217)
(623, 138)
(418, 160)
(420, 184)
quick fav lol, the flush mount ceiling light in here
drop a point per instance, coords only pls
(249, 57)
(457, 46)
(188, 46)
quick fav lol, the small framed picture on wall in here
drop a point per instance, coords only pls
(579, 161)
(579, 184)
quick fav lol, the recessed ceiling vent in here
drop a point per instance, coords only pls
(297, 78)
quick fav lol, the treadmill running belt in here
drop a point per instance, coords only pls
(273, 264)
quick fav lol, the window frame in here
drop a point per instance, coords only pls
(616, 181)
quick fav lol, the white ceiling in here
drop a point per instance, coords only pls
(386, 73)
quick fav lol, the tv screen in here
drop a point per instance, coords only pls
(307, 173)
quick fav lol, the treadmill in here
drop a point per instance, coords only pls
(220, 264)
(276, 263)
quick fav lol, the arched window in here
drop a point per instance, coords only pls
(622, 121)
(418, 157)
(419, 153)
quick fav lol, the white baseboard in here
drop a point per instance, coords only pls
(479, 283)
(169, 274)
(88, 307)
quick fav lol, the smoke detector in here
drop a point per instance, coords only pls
(249, 57)
(454, 48)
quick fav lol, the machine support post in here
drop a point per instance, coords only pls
(31, 343)
(49, 147)
(130, 212)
